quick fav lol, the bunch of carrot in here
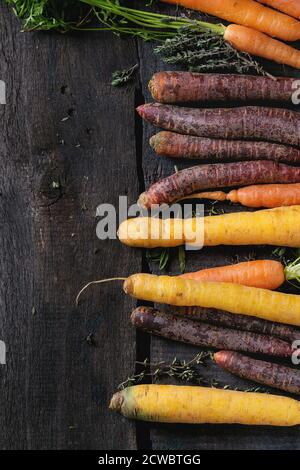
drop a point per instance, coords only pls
(234, 309)
(259, 320)
(255, 26)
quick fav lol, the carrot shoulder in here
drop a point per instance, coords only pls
(248, 13)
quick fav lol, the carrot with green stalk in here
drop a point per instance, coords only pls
(248, 13)
(196, 405)
(155, 26)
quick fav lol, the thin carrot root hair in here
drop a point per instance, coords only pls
(100, 281)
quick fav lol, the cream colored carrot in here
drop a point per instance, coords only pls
(195, 405)
(280, 226)
(234, 298)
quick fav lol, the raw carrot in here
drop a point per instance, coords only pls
(238, 322)
(170, 144)
(266, 373)
(264, 195)
(279, 227)
(190, 180)
(233, 298)
(195, 405)
(259, 44)
(290, 7)
(248, 13)
(205, 335)
(249, 123)
(265, 274)
(185, 87)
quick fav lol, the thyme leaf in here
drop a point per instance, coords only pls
(120, 77)
(182, 371)
(205, 51)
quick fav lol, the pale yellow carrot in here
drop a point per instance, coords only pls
(196, 405)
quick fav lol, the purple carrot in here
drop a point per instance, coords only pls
(266, 373)
(250, 123)
(184, 87)
(204, 335)
(170, 144)
(219, 175)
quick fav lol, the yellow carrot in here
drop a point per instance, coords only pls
(279, 226)
(196, 405)
(233, 298)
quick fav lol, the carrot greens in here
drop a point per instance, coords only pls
(197, 45)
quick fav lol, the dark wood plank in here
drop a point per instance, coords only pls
(202, 437)
(55, 388)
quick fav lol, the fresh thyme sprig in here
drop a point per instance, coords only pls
(182, 371)
(121, 77)
(204, 51)
(178, 369)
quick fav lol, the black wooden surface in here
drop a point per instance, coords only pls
(56, 386)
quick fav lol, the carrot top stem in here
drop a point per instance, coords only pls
(101, 281)
(292, 270)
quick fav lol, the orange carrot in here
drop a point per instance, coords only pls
(248, 13)
(264, 195)
(265, 274)
(259, 44)
(290, 7)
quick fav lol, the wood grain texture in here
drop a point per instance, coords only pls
(56, 387)
(69, 142)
